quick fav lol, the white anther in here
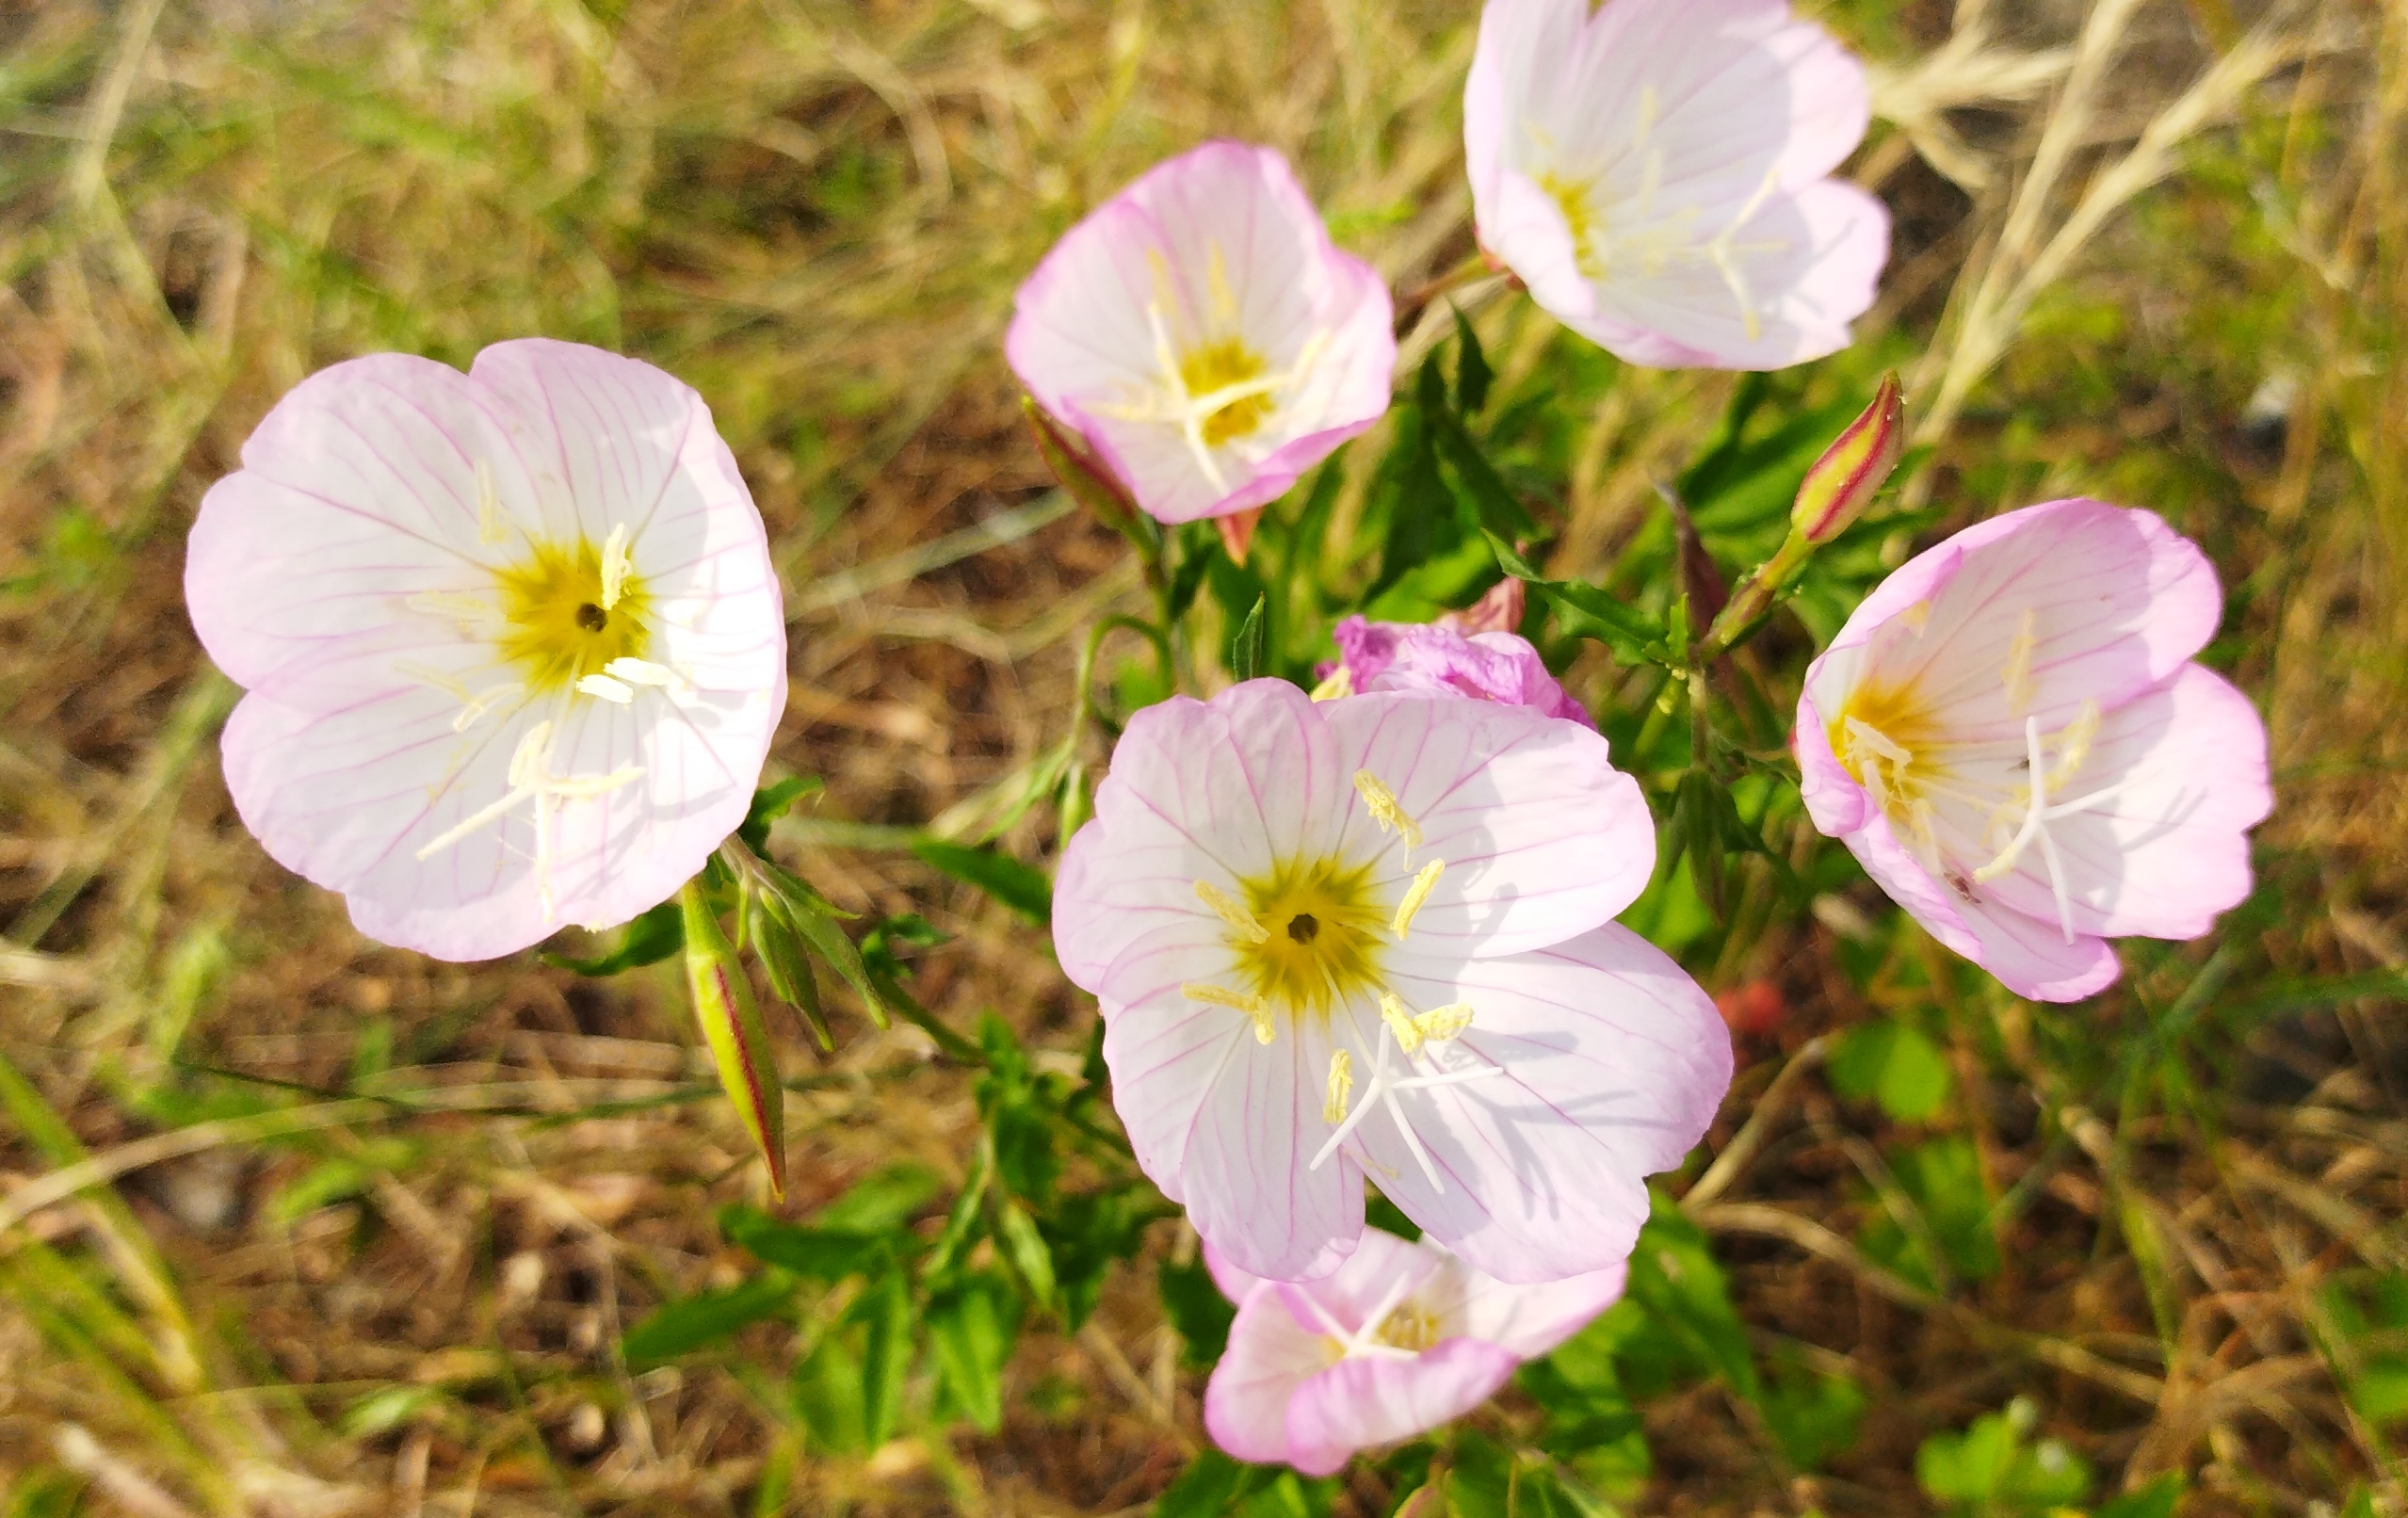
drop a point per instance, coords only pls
(1341, 1087)
(481, 703)
(1339, 685)
(642, 672)
(616, 692)
(616, 564)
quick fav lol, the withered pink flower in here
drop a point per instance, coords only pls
(2011, 735)
(1434, 659)
(1399, 1339)
(512, 643)
(1202, 336)
(1658, 173)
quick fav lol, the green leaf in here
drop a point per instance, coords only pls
(1246, 647)
(1472, 373)
(1895, 1065)
(1480, 1484)
(687, 1323)
(1676, 1282)
(1988, 1469)
(971, 1327)
(881, 1202)
(813, 920)
(1814, 1415)
(827, 1388)
(1091, 1230)
(46, 1492)
(769, 803)
(1193, 1303)
(1026, 1249)
(647, 939)
(1205, 1489)
(1587, 611)
(1021, 887)
(780, 949)
(826, 1254)
(384, 1411)
(884, 1311)
(2154, 1500)
(1500, 510)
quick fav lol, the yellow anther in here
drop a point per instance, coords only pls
(1341, 1096)
(1400, 1023)
(1232, 911)
(1225, 300)
(2073, 745)
(1444, 1023)
(1254, 1007)
(489, 506)
(1416, 894)
(1382, 802)
(1339, 685)
(615, 566)
(2017, 672)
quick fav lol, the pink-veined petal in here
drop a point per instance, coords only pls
(1527, 1320)
(1615, 1063)
(1271, 1355)
(1219, 1120)
(1359, 1403)
(1542, 836)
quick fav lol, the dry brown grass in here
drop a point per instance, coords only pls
(815, 214)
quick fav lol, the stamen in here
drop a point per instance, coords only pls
(1399, 1019)
(489, 506)
(1444, 1023)
(529, 776)
(642, 672)
(615, 563)
(1254, 1007)
(1334, 1107)
(1224, 302)
(1416, 894)
(2017, 672)
(483, 701)
(1867, 737)
(2074, 744)
(1230, 911)
(2035, 804)
(1337, 686)
(428, 675)
(614, 691)
(1381, 803)
(456, 604)
(1362, 1109)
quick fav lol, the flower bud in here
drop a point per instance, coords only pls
(1088, 483)
(1843, 481)
(731, 1027)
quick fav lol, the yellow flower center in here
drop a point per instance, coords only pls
(1216, 367)
(568, 611)
(1323, 931)
(1573, 197)
(1409, 1328)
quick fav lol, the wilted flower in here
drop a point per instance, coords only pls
(1203, 337)
(1656, 173)
(2009, 734)
(1375, 935)
(1432, 659)
(513, 644)
(1400, 1338)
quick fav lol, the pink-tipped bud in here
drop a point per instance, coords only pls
(731, 1023)
(1844, 480)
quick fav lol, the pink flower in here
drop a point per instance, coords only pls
(1203, 337)
(1656, 173)
(1434, 659)
(1374, 936)
(1400, 1338)
(2009, 734)
(513, 644)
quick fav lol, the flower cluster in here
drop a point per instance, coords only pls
(513, 655)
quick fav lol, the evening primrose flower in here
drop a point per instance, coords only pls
(1399, 1339)
(1203, 337)
(1432, 658)
(2011, 735)
(512, 642)
(1373, 937)
(1656, 173)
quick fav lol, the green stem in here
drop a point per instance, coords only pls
(1753, 597)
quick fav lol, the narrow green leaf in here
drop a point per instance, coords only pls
(971, 1328)
(1026, 1248)
(772, 802)
(1472, 373)
(1500, 510)
(674, 1328)
(819, 1253)
(886, 1311)
(1246, 648)
(648, 939)
(882, 1201)
(1021, 887)
(780, 949)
